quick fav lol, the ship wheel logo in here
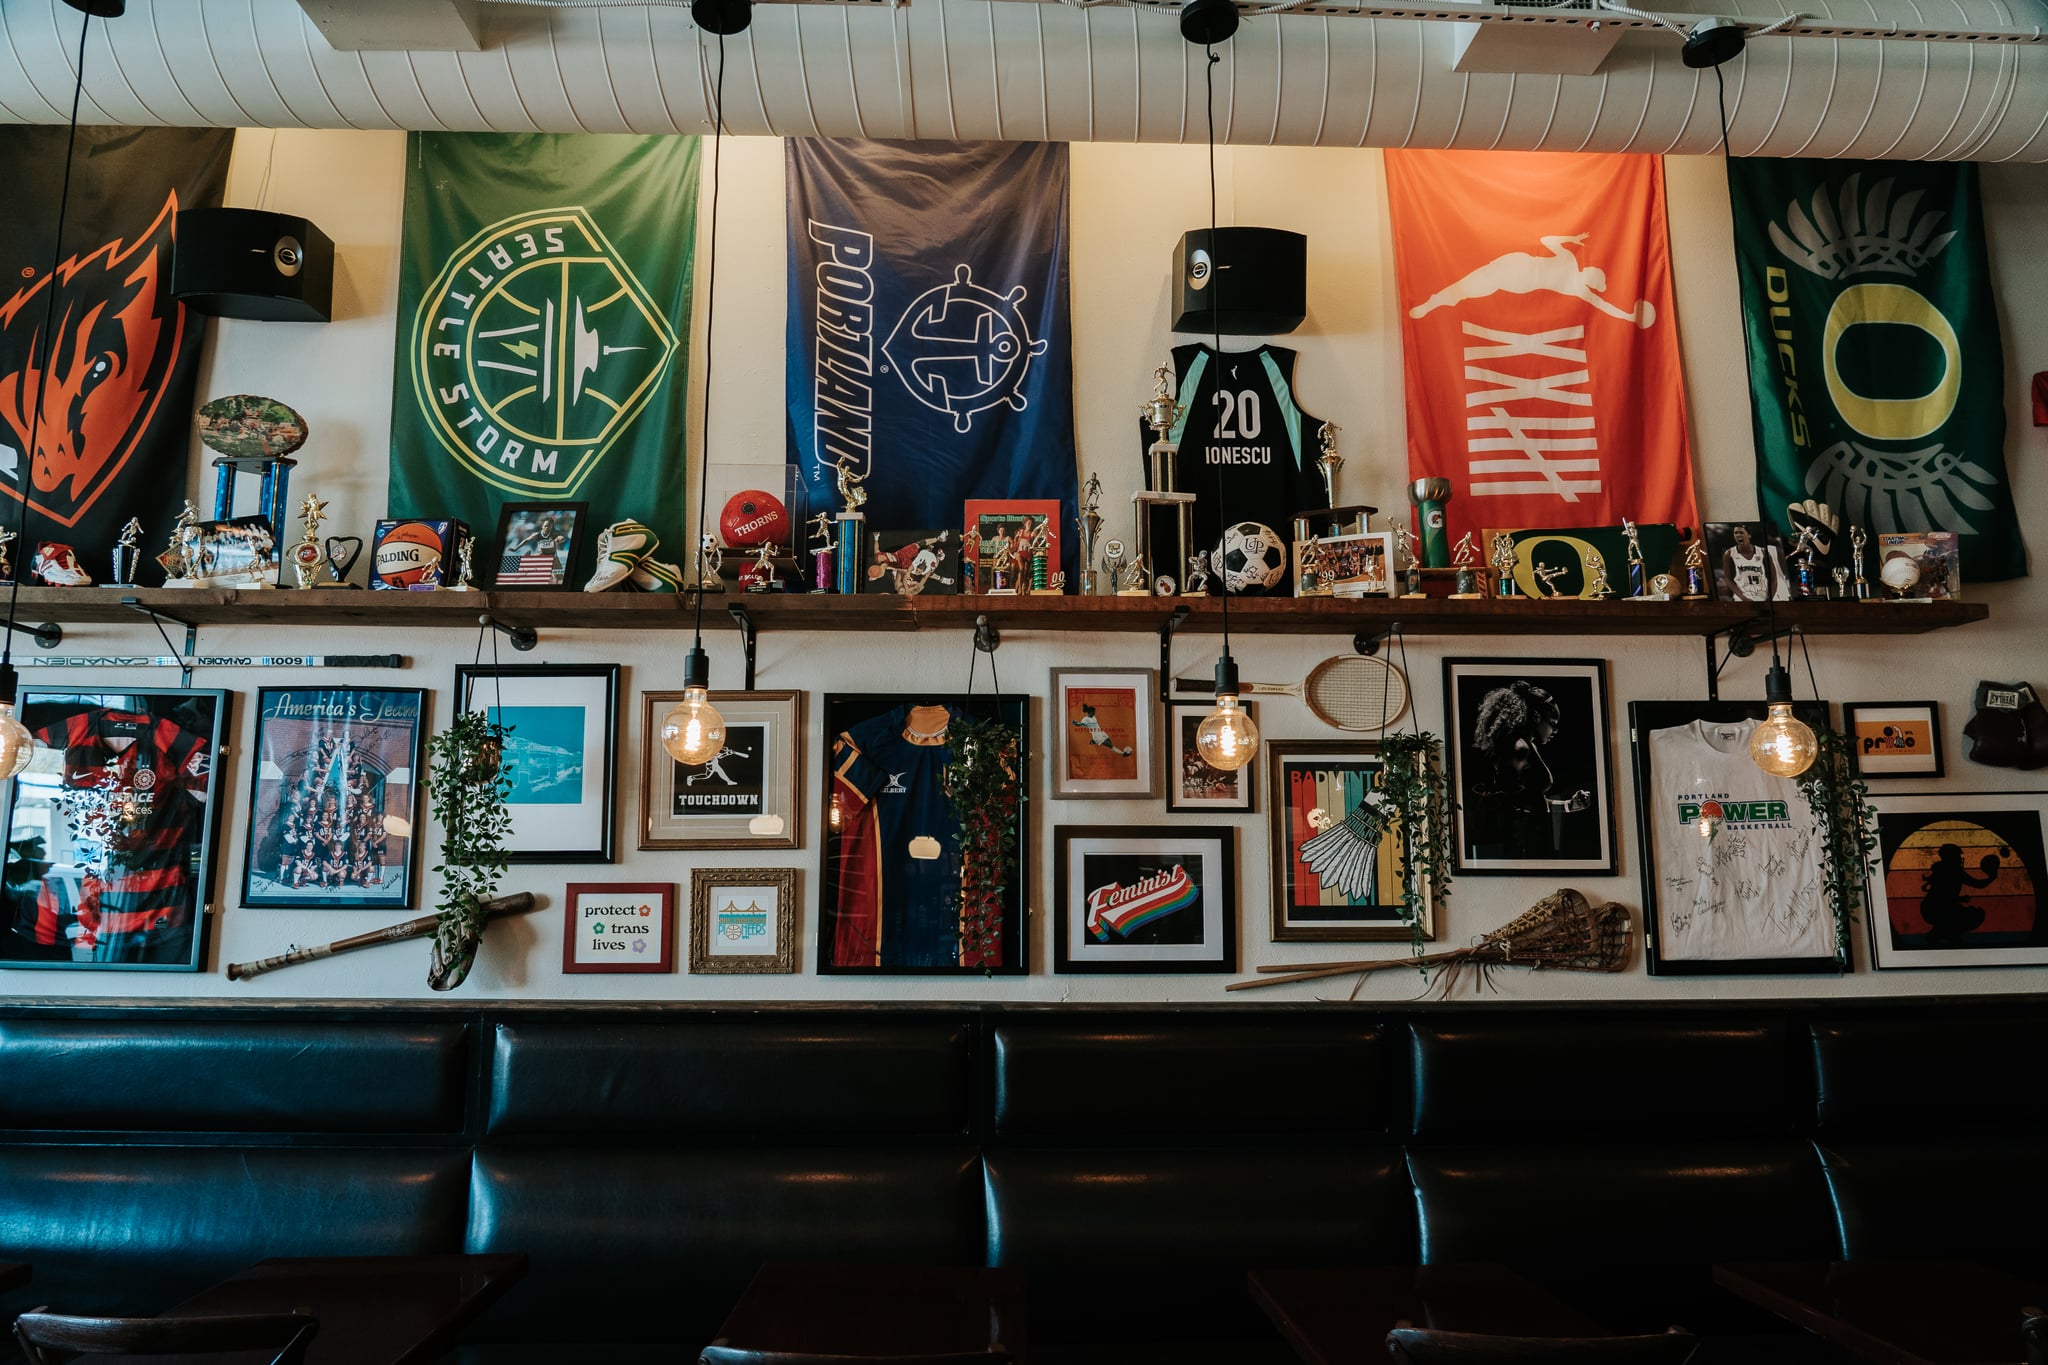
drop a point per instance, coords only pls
(962, 349)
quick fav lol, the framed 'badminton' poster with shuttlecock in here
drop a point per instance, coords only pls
(1336, 854)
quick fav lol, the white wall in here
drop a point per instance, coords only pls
(1130, 203)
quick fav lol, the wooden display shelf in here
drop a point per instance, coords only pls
(802, 611)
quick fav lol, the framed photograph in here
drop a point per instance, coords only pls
(1919, 566)
(1105, 735)
(334, 798)
(751, 793)
(1325, 887)
(1731, 858)
(1748, 562)
(1893, 738)
(538, 543)
(619, 927)
(895, 890)
(1358, 564)
(240, 552)
(1526, 757)
(1191, 783)
(565, 725)
(743, 919)
(913, 563)
(1012, 519)
(1156, 899)
(112, 827)
(1960, 880)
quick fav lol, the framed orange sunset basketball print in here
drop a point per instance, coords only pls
(1961, 881)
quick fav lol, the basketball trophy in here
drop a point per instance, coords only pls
(1160, 413)
(1858, 538)
(1429, 497)
(464, 566)
(852, 530)
(1696, 572)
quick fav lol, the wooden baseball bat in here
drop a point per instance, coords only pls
(517, 903)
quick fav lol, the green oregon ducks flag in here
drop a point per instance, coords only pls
(1876, 377)
(543, 314)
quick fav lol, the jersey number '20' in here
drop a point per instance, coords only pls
(1239, 419)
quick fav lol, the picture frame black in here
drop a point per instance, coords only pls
(1766, 551)
(1192, 785)
(1510, 723)
(1981, 857)
(108, 888)
(531, 531)
(559, 714)
(1894, 739)
(1145, 870)
(312, 840)
(1662, 885)
(1332, 776)
(882, 904)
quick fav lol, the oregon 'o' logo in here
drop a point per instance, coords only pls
(534, 349)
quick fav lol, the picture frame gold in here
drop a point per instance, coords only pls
(713, 925)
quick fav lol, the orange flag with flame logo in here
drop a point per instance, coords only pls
(1543, 377)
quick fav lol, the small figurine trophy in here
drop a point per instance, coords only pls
(710, 559)
(1858, 538)
(1310, 581)
(1466, 555)
(1404, 541)
(1841, 577)
(1040, 545)
(970, 560)
(464, 566)
(1002, 566)
(1804, 585)
(1547, 575)
(126, 552)
(1635, 558)
(1503, 562)
(1136, 580)
(821, 552)
(6, 558)
(1198, 576)
(1429, 497)
(1328, 461)
(1600, 589)
(1113, 561)
(1091, 527)
(852, 529)
(180, 558)
(762, 577)
(1696, 572)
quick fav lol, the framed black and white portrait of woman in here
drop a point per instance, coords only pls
(1526, 746)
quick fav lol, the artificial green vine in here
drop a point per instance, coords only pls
(981, 780)
(470, 783)
(1845, 827)
(1412, 790)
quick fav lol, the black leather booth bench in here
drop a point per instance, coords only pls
(1135, 1162)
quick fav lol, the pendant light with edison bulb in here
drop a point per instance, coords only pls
(1782, 744)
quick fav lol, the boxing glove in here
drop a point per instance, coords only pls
(1998, 731)
(2034, 717)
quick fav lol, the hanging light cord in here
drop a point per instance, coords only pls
(710, 303)
(1216, 316)
(40, 368)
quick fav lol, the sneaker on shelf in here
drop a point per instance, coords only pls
(57, 564)
(654, 575)
(620, 548)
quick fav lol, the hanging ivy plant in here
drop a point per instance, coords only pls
(470, 783)
(981, 781)
(1845, 828)
(1412, 790)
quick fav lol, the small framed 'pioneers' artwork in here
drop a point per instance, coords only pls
(1328, 886)
(1156, 899)
(1192, 784)
(1893, 738)
(1961, 880)
(564, 726)
(1527, 758)
(750, 794)
(537, 543)
(743, 919)
(619, 927)
(1105, 739)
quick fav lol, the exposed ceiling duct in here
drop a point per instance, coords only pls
(975, 69)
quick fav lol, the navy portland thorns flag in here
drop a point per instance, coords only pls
(116, 406)
(929, 348)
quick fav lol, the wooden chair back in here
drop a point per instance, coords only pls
(1425, 1346)
(41, 1334)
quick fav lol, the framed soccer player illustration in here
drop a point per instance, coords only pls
(750, 794)
(564, 724)
(1960, 880)
(1192, 784)
(112, 827)
(1731, 856)
(1335, 878)
(1105, 741)
(1155, 899)
(334, 797)
(1527, 757)
(537, 543)
(925, 817)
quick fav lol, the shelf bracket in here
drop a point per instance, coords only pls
(987, 638)
(1745, 636)
(521, 638)
(185, 655)
(1369, 644)
(1713, 670)
(48, 635)
(748, 632)
(1166, 629)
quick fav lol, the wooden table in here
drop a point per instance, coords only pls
(839, 1308)
(1896, 1312)
(1341, 1316)
(373, 1310)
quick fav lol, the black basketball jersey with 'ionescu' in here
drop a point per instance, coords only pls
(1239, 417)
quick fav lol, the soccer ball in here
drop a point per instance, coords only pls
(752, 517)
(1253, 559)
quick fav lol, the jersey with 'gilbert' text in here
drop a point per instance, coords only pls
(1240, 425)
(894, 910)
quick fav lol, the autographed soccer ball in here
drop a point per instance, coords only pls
(752, 517)
(1253, 559)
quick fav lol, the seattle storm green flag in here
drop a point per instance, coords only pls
(543, 316)
(1876, 377)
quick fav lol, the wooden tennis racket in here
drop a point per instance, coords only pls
(1357, 692)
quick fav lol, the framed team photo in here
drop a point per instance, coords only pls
(1731, 856)
(564, 728)
(1526, 757)
(538, 543)
(1960, 880)
(749, 795)
(1326, 887)
(619, 927)
(334, 798)
(1893, 738)
(743, 919)
(1105, 741)
(1747, 559)
(1192, 784)
(915, 880)
(1145, 899)
(111, 829)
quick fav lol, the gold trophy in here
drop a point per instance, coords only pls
(1503, 562)
(1328, 461)
(1466, 555)
(1160, 413)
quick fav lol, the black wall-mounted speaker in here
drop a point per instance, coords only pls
(1259, 277)
(247, 263)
